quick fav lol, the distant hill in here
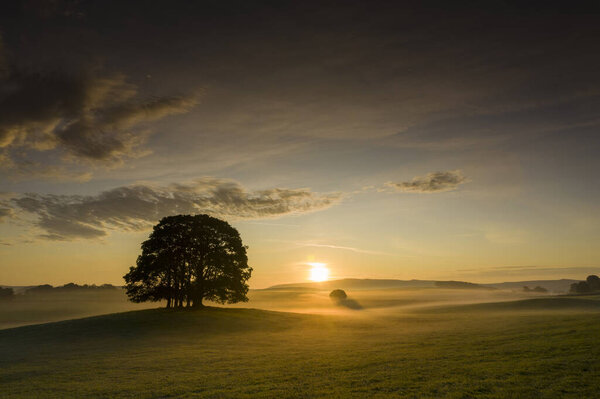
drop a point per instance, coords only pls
(463, 285)
(556, 286)
(553, 286)
(357, 284)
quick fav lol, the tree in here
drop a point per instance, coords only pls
(581, 287)
(338, 295)
(188, 259)
(591, 284)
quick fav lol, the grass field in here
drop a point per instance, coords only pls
(532, 348)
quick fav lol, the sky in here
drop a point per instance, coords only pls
(410, 140)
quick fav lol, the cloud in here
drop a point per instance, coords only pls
(138, 207)
(83, 116)
(435, 182)
(5, 213)
(344, 248)
(19, 169)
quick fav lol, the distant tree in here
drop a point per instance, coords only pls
(188, 259)
(338, 295)
(593, 282)
(581, 287)
(6, 293)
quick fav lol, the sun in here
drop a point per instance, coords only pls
(318, 272)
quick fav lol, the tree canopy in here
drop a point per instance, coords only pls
(190, 258)
(591, 284)
(338, 294)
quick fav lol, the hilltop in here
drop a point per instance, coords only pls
(250, 353)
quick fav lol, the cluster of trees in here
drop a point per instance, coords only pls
(591, 284)
(6, 293)
(70, 287)
(538, 288)
(188, 259)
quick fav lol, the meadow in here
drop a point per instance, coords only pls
(414, 343)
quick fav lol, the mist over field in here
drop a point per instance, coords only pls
(369, 298)
(299, 199)
(422, 342)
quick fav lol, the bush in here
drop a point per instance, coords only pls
(338, 295)
(591, 284)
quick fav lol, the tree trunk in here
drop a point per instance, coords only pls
(168, 302)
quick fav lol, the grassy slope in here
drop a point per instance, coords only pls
(536, 350)
(43, 308)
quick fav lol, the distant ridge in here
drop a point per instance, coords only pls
(462, 285)
(562, 285)
(556, 286)
(357, 284)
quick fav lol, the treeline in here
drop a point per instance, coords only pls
(9, 293)
(70, 287)
(591, 284)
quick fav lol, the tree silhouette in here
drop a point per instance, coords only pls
(190, 258)
(591, 284)
(338, 294)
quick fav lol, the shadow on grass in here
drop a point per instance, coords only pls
(347, 303)
(556, 303)
(124, 329)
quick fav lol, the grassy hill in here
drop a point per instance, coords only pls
(537, 348)
(26, 309)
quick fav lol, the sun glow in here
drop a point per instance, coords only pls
(318, 272)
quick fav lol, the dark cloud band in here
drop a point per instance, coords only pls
(85, 116)
(137, 207)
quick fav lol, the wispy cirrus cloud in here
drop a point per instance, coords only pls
(341, 247)
(137, 207)
(435, 182)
